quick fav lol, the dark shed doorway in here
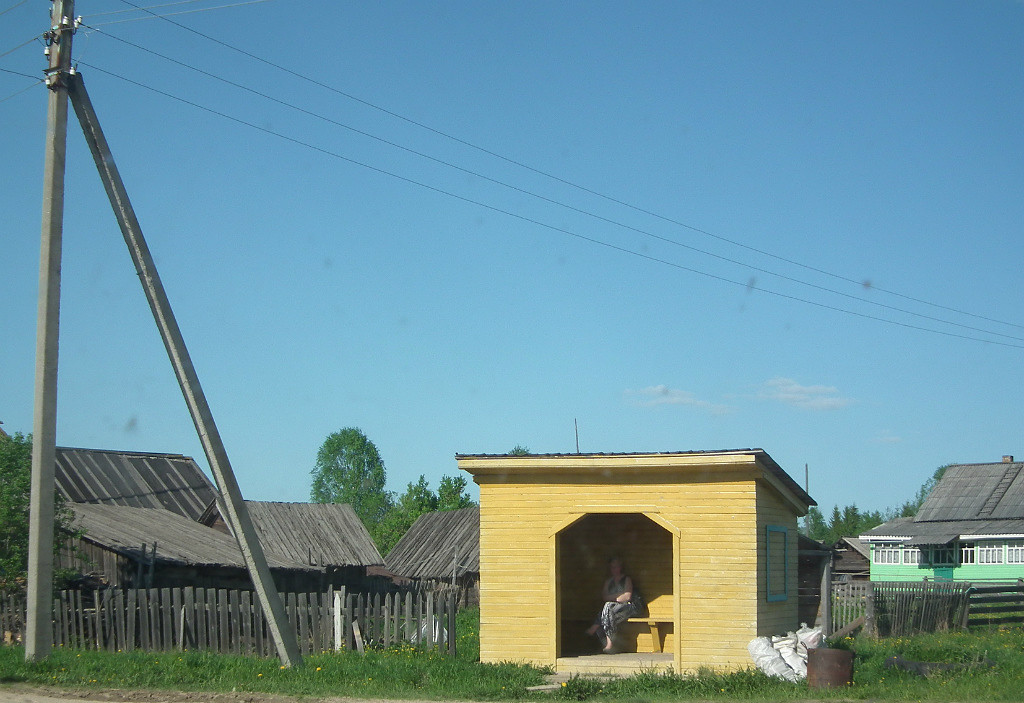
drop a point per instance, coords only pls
(582, 551)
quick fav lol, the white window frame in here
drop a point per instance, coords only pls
(989, 553)
(1015, 552)
(968, 554)
(886, 553)
(911, 555)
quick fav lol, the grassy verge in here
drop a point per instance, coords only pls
(992, 669)
(400, 672)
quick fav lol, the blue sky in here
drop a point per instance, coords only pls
(681, 225)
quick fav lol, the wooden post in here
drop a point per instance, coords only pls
(870, 625)
(39, 625)
(825, 601)
(452, 612)
(339, 619)
(237, 514)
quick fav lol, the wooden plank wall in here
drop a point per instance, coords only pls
(714, 514)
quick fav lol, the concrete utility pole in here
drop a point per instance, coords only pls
(39, 626)
(237, 512)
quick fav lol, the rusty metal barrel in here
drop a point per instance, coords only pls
(829, 668)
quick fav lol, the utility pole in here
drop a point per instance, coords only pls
(237, 514)
(39, 626)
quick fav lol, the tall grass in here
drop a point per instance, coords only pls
(992, 669)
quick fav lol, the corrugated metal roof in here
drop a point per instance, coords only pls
(324, 534)
(178, 540)
(435, 542)
(134, 479)
(976, 492)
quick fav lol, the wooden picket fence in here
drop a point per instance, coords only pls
(232, 622)
(909, 608)
(900, 608)
(849, 602)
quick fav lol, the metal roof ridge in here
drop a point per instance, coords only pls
(127, 451)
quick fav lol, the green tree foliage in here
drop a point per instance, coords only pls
(452, 495)
(417, 500)
(849, 521)
(519, 450)
(15, 496)
(349, 470)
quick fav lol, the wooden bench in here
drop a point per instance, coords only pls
(654, 624)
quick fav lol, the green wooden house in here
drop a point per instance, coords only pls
(970, 528)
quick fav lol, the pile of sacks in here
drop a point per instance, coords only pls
(785, 657)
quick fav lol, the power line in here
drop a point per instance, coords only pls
(146, 9)
(183, 12)
(13, 7)
(539, 223)
(19, 73)
(552, 201)
(23, 90)
(559, 179)
(24, 43)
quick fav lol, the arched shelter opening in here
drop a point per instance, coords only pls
(582, 551)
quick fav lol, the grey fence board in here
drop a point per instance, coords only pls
(232, 621)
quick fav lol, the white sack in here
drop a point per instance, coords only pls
(768, 659)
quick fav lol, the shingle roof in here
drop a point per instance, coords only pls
(436, 542)
(134, 479)
(976, 492)
(324, 534)
(178, 540)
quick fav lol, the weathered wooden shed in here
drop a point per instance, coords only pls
(154, 548)
(329, 536)
(442, 547)
(710, 538)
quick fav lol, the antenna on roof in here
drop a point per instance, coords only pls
(577, 426)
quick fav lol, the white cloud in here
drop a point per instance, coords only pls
(788, 391)
(887, 437)
(652, 396)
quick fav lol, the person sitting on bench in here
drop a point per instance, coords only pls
(620, 604)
